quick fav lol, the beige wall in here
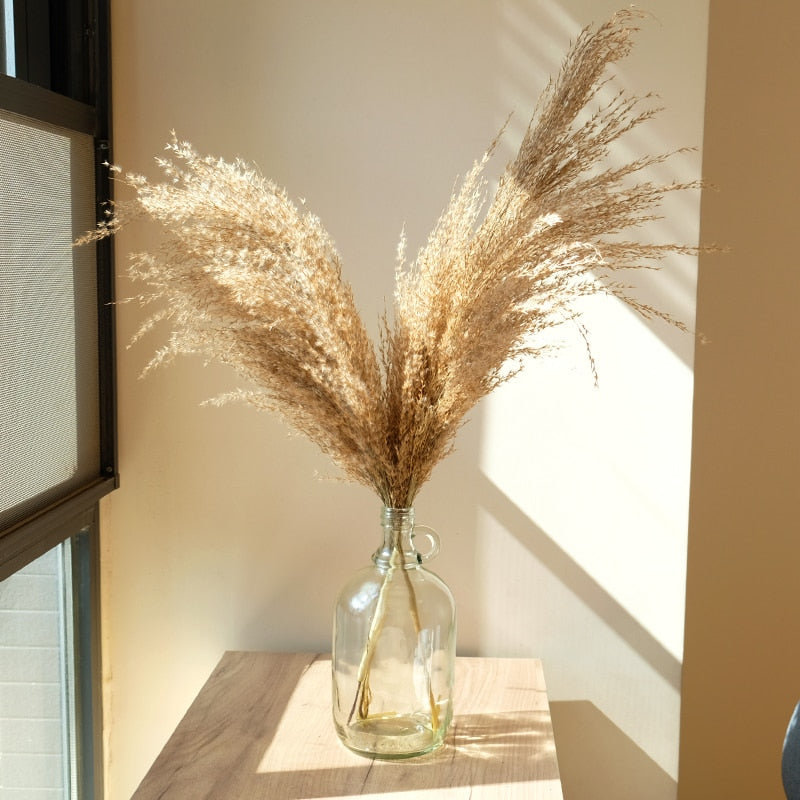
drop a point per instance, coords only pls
(563, 512)
(742, 667)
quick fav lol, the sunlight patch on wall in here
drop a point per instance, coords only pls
(604, 470)
(595, 655)
(582, 534)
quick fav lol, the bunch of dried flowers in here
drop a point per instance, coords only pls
(247, 279)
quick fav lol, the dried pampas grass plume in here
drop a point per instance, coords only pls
(245, 278)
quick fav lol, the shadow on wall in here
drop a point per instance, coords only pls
(579, 582)
(598, 761)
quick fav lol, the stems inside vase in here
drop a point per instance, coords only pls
(362, 699)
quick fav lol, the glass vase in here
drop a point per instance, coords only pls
(394, 639)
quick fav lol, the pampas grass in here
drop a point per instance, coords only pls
(244, 277)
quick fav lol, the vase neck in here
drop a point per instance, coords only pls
(400, 537)
(397, 548)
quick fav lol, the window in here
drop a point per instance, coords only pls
(57, 418)
(48, 721)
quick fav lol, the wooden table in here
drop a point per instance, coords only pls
(261, 728)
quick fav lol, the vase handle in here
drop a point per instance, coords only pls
(432, 537)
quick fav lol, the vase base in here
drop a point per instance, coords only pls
(392, 737)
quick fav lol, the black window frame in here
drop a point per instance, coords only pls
(64, 79)
(28, 538)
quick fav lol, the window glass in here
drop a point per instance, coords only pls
(47, 43)
(7, 48)
(37, 708)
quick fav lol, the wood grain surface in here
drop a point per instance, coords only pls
(261, 728)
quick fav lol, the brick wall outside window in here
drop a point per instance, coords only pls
(33, 682)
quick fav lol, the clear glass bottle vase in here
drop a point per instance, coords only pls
(394, 640)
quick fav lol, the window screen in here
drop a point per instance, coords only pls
(48, 316)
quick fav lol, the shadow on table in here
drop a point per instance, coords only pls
(481, 749)
(599, 762)
(232, 744)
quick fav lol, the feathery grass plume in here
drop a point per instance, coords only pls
(468, 310)
(247, 279)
